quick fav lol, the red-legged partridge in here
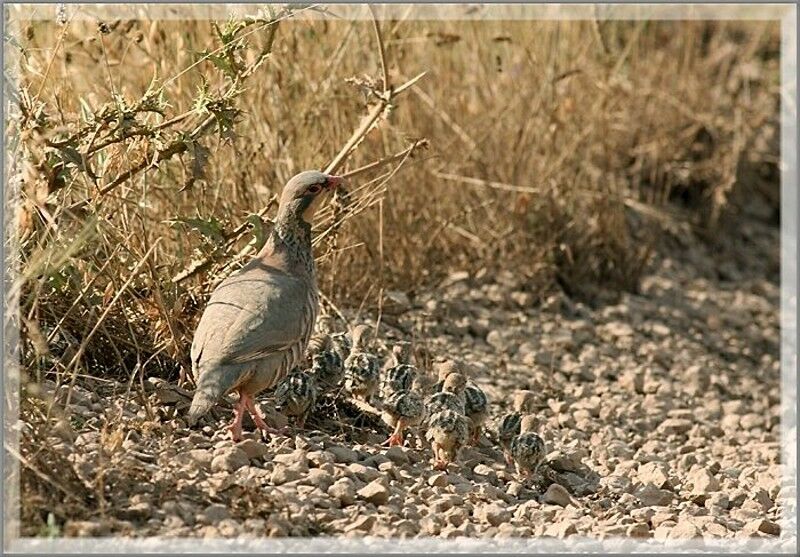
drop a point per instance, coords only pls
(258, 321)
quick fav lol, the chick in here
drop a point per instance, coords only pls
(401, 354)
(527, 448)
(477, 410)
(398, 379)
(341, 344)
(448, 431)
(450, 397)
(361, 369)
(444, 369)
(316, 344)
(327, 367)
(507, 430)
(402, 410)
(296, 395)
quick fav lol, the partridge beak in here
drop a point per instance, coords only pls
(334, 182)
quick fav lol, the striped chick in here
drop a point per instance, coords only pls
(296, 396)
(528, 449)
(398, 379)
(476, 409)
(448, 431)
(361, 371)
(327, 368)
(402, 410)
(450, 397)
(507, 430)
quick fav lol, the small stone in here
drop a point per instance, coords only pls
(557, 495)
(618, 329)
(493, 514)
(397, 455)
(342, 454)
(662, 531)
(564, 462)
(484, 470)
(716, 530)
(684, 530)
(295, 460)
(430, 525)
(319, 478)
(561, 530)
(655, 473)
(751, 421)
(283, 474)
(375, 492)
(438, 480)
(675, 426)
(650, 495)
(137, 511)
(84, 528)
(216, 513)
(457, 516)
(514, 489)
(638, 530)
(763, 499)
(252, 448)
(717, 501)
(632, 381)
(229, 459)
(344, 491)
(318, 458)
(376, 461)
(643, 514)
(364, 473)
(703, 482)
(364, 524)
(762, 525)
(661, 517)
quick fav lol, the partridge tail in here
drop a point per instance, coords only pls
(210, 387)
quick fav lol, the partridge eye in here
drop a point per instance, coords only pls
(314, 189)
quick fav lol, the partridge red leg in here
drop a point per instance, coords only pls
(238, 413)
(256, 415)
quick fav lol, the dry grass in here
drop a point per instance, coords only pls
(146, 153)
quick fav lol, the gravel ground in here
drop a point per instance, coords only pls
(660, 413)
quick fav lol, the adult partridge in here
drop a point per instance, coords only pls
(258, 321)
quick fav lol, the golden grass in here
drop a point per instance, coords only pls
(547, 141)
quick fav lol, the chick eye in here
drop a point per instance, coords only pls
(314, 189)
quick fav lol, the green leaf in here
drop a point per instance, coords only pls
(210, 228)
(258, 230)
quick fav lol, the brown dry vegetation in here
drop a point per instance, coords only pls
(563, 149)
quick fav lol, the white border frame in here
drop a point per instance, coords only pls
(786, 543)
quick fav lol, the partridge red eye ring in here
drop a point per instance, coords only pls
(315, 189)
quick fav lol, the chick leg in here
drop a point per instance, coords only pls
(476, 435)
(439, 462)
(397, 437)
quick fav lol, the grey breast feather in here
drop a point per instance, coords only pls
(252, 314)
